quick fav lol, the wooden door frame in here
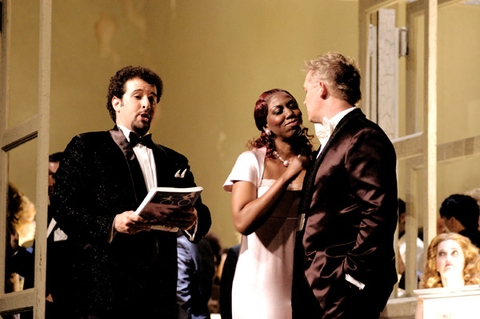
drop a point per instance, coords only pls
(36, 127)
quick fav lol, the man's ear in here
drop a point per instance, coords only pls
(452, 224)
(116, 103)
(323, 90)
(457, 225)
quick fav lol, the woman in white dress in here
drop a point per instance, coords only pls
(265, 184)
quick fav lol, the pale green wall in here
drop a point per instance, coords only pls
(214, 56)
(458, 94)
(458, 98)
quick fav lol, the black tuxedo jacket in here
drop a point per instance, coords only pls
(350, 201)
(134, 276)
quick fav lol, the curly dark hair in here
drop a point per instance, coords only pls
(303, 143)
(55, 157)
(117, 84)
(14, 204)
(463, 207)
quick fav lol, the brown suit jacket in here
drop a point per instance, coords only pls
(350, 201)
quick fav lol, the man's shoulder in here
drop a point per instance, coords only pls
(90, 141)
(358, 132)
(357, 117)
(356, 122)
(171, 153)
(473, 235)
(92, 136)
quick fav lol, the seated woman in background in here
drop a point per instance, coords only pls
(452, 261)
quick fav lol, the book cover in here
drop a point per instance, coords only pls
(166, 196)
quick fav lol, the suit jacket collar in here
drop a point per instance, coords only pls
(339, 116)
(135, 171)
(308, 185)
(355, 113)
(120, 139)
(162, 160)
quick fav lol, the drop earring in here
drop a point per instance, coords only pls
(267, 131)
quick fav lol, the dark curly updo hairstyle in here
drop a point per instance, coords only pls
(117, 84)
(302, 145)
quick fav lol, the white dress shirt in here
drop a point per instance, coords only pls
(145, 159)
(149, 169)
(324, 133)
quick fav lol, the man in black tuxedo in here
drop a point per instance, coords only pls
(346, 256)
(116, 266)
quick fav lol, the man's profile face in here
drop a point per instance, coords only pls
(52, 169)
(448, 224)
(136, 109)
(312, 99)
(401, 222)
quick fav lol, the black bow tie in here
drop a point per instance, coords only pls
(145, 140)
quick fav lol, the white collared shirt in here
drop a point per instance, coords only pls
(145, 159)
(333, 122)
(149, 169)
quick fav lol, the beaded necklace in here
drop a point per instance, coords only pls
(284, 162)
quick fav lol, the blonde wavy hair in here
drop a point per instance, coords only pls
(471, 271)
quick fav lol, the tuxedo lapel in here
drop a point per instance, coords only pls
(338, 129)
(136, 175)
(162, 162)
(172, 168)
(310, 177)
(308, 187)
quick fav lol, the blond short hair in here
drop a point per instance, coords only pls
(340, 74)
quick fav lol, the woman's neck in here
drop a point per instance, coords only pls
(284, 148)
(453, 282)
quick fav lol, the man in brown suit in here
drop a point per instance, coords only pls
(345, 257)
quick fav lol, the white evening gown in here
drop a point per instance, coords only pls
(263, 278)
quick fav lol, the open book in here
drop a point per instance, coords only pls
(158, 196)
